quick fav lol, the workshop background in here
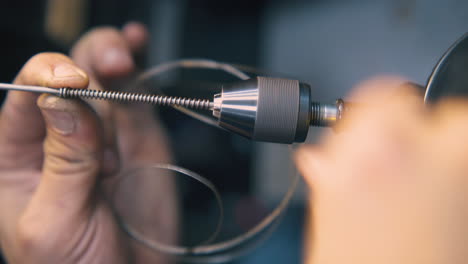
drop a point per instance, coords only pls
(331, 44)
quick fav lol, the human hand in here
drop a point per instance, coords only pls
(133, 136)
(57, 168)
(391, 187)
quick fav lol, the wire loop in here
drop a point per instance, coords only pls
(216, 252)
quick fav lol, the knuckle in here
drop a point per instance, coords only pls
(103, 33)
(38, 69)
(67, 165)
(94, 36)
(62, 158)
(46, 56)
(87, 51)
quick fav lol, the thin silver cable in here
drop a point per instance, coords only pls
(204, 253)
(197, 177)
(29, 88)
(220, 246)
(191, 64)
(236, 252)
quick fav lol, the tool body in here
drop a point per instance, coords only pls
(261, 108)
(272, 109)
(277, 110)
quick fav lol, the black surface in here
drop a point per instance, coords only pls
(450, 76)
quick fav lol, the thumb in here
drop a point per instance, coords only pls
(72, 155)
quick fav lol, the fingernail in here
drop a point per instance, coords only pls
(117, 56)
(62, 122)
(68, 70)
(57, 116)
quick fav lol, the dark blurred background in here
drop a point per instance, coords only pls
(332, 44)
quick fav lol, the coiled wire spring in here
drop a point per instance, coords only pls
(201, 104)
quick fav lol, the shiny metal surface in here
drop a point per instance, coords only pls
(262, 108)
(323, 115)
(265, 109)
(29, 88)
(272, 110)
(341, 108)
(236, 107)
(328, 114)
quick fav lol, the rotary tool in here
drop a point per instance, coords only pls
(274, 109)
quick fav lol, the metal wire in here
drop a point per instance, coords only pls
(161, 100)
(195, 176)
(191, 64)
(216, 252)
(28, 88)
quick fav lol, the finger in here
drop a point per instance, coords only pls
(448, 129)
(376, 88)
(310, 161)
(391, 108)
(104, 52)
(136, 35)
(387, 97)
(21, 122)
(143, 143)
(389, 125)
(72, 156)
(62, 204)
(142, 139)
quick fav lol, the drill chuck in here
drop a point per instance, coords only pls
(272, 109)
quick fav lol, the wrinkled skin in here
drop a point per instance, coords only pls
(391, 187)
(59, 159)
